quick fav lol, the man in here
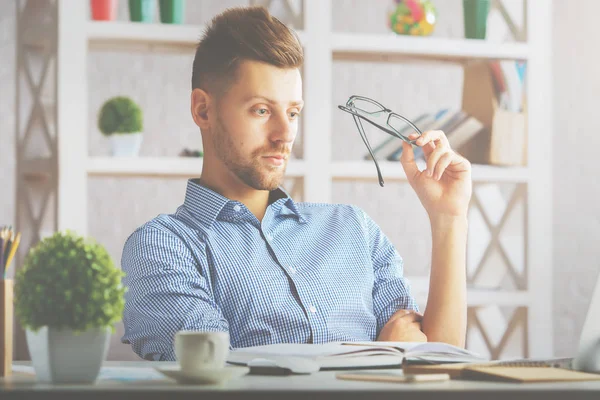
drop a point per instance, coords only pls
(240, 255)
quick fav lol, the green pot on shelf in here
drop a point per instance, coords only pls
(171, 11)
(141, 10)
(475, 18)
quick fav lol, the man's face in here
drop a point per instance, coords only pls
(256, 123)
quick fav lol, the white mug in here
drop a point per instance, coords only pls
(197, 350)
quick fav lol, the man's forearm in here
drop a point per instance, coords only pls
(445, 316)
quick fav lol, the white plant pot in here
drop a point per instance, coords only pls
(61, 356)
(126, 144)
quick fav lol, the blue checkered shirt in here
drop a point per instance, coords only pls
(308, 273)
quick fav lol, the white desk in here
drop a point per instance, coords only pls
(322, 385)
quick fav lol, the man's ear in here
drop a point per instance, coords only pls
(200, 106)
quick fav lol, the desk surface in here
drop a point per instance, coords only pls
(321, 385)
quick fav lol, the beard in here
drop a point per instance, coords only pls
(248, 168)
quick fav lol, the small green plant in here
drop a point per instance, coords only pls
(120, 115)
(68, 282)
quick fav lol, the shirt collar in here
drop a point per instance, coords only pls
(206, 205)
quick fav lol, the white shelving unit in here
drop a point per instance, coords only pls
(162, 166)
(394, 171)
(426, 47)
(77, 35)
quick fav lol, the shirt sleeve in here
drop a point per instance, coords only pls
(391, 290)
(166, 293)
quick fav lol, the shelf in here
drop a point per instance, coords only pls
(182, 167)
(139, 33)
(394, 171)
(114, 32)
(426, 47)
(189, 166)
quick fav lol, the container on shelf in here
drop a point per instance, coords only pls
(103, 10)
(142, 10)
(504, 141)
(475, 18)
(171, 11)
(412, 17)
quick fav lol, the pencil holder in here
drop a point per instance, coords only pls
(504, 141)
(6, 330)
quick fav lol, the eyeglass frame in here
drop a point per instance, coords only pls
(349, 108)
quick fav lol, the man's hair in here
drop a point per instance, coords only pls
(238, 34)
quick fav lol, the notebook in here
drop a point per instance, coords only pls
(503, 371)
(349, 355)
(527, 374)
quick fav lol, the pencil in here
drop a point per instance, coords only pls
(9, 244)
(13, 251)
(2, 249)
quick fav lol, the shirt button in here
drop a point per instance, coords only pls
(292, 270)
(312, 309)
(237, 208)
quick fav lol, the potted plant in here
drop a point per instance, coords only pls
(120, 119)
(67, 297)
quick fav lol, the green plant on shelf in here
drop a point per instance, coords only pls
(120, 115)
(191, 153)
(68, 282)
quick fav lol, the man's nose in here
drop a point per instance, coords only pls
(283, 129)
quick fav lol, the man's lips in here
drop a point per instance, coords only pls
(276, 159)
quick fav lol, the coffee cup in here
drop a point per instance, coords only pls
(198, 351)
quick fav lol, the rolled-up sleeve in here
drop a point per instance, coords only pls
(166, 293)
(391, 290)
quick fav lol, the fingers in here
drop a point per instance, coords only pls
(442, 164)
(433, 137)
(408, 162)
(438, 154)
(427, 148)
(437, 162)
(406, 315)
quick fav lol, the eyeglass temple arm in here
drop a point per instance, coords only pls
(405, 120)
(364, 139)
(391, 132)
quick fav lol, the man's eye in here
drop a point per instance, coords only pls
(294, 114)
(262, 111)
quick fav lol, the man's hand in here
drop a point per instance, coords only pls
(403, 326)
(445, 187)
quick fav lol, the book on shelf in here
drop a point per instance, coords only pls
(458, 126)
(347, 355)
(465, 131)
(390, 143)
(509, 84)
(432, 123)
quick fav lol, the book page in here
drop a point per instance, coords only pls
(434, 349)
(336, 349)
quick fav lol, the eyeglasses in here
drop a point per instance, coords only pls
(364, 108)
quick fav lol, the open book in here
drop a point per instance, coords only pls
(346, 355)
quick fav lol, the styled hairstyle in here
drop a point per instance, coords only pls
(239, 34)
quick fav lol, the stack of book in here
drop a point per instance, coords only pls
(493, 102)
(458, 126)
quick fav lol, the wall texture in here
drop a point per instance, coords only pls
(576, 215)
(7, 112)
(160, 83)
